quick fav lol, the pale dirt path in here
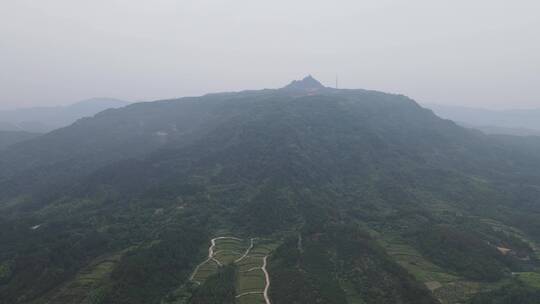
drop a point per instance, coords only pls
(266, 287)
(211, 255)
(247, 252)
(251, 269)
(211, 249)
(266, 298)
(227, 251)
(249, 293)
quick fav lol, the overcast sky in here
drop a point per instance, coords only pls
(483, 53)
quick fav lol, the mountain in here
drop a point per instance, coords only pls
(46, 119)
(519, 122)
(9, 138)
(304, 194)
(308, 84)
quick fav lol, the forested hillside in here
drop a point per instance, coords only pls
(9, 138)
(367, 197)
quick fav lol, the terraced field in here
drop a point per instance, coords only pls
(447, 287)
(252, 282)
(353, 297)
(84, 288)
(530, 278)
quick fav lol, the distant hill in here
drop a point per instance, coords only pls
(8, 138)
(4, 126)
(46, 119)
(497, 130)
(521, 122)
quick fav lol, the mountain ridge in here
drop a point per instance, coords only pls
(9, 138)
(522, 122)
(46, 119)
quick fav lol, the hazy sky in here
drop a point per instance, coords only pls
(467, 52)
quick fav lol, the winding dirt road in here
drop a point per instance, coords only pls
(266, 298)
(211, 257)
(266, 287)
(246, 253)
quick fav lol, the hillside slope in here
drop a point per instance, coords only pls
(366, 196)
(9, 138)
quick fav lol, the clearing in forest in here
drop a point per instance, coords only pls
(251, 258)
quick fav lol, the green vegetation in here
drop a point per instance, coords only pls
(463, 252)
(89, 286)
(371, 199)
(218, 288)
(341, 265)
(372, 272)
(148, 273)
(46, 257)
(297, 281)
(225, 251)
(509, 294)
(246, 256)
(532, 279)
(415, 263)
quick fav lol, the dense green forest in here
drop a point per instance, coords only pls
(369, 198)
(515, 292)
(340, 263)
(218, 289)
